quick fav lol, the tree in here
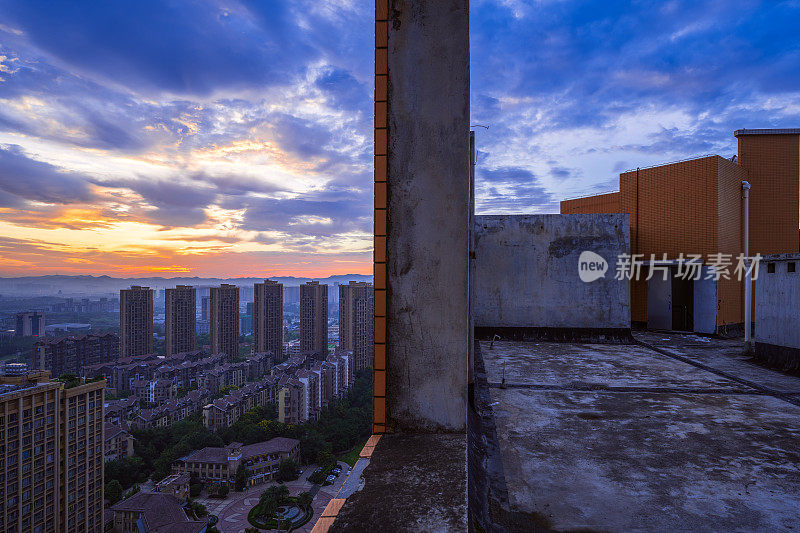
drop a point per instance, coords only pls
(324, 458)
(304, 499)
(127, 471)
(195, 489)
(241, 477)
(69, 379)
(113, 491)
(198, 509)
(287, 470)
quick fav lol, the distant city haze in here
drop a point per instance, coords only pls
(83, 286)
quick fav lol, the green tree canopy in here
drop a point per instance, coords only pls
(113, 491)
(241, 477)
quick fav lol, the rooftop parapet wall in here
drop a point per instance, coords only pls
(527, 271)
(777, 295)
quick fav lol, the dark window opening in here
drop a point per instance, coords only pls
(790, 267)
(771, 268)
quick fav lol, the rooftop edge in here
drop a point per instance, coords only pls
(776, 131)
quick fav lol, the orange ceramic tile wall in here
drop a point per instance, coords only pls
(379, 415)
(690, 207)
(677, 212)
(772, 163)
(730, 238)
(601, 203)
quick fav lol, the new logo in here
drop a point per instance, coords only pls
(591, 266)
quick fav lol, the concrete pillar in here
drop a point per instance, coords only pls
(428, 189)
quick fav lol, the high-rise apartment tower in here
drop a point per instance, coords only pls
(314, 318)
(356, 308)
(52, 453)
(135, 321)
(225, 320)
(268, 319)
(180, 321)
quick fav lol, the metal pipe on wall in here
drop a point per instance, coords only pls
(748, 284)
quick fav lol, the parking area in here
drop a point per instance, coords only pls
(679, 433)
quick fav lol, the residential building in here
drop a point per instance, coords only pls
(224, 412)
(136, 321)
(118, 411)
(205, 308)
(73, 354)
(29, 324)
(314, 318)
(356, 309)
(52, 454)
(155, 392)
(225, 320)
(118, 442)
(291, 295)
(180, 321)
(268, 318)
(310, 406)
(149, 512)
(226, 375)
(292, 401)
(219, 464)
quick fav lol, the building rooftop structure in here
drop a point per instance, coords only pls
(221, 455)
(159, 513)
(773, 131)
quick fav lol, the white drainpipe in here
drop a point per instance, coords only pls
(748, 285)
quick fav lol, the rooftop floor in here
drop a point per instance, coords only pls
(683, 434)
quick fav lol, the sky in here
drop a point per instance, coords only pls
(234, 138)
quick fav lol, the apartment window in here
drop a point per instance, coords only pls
(770, 268)
(790, 266)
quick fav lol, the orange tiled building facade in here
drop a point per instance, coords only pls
(696, 207)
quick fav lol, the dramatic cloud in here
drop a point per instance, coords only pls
(590, 84)
(234, 137)
(34, 180)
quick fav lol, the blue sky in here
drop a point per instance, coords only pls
(234, 138)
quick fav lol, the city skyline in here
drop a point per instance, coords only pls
(234, 140)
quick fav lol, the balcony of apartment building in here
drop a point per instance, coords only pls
(510, 392)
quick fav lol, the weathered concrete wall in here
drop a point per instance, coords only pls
(428, 217)
(777, 297)
(527, 271)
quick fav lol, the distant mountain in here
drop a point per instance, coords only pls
(91, 285)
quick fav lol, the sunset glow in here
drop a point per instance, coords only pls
(233, 139)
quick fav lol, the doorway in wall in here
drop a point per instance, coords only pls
(682, 304)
